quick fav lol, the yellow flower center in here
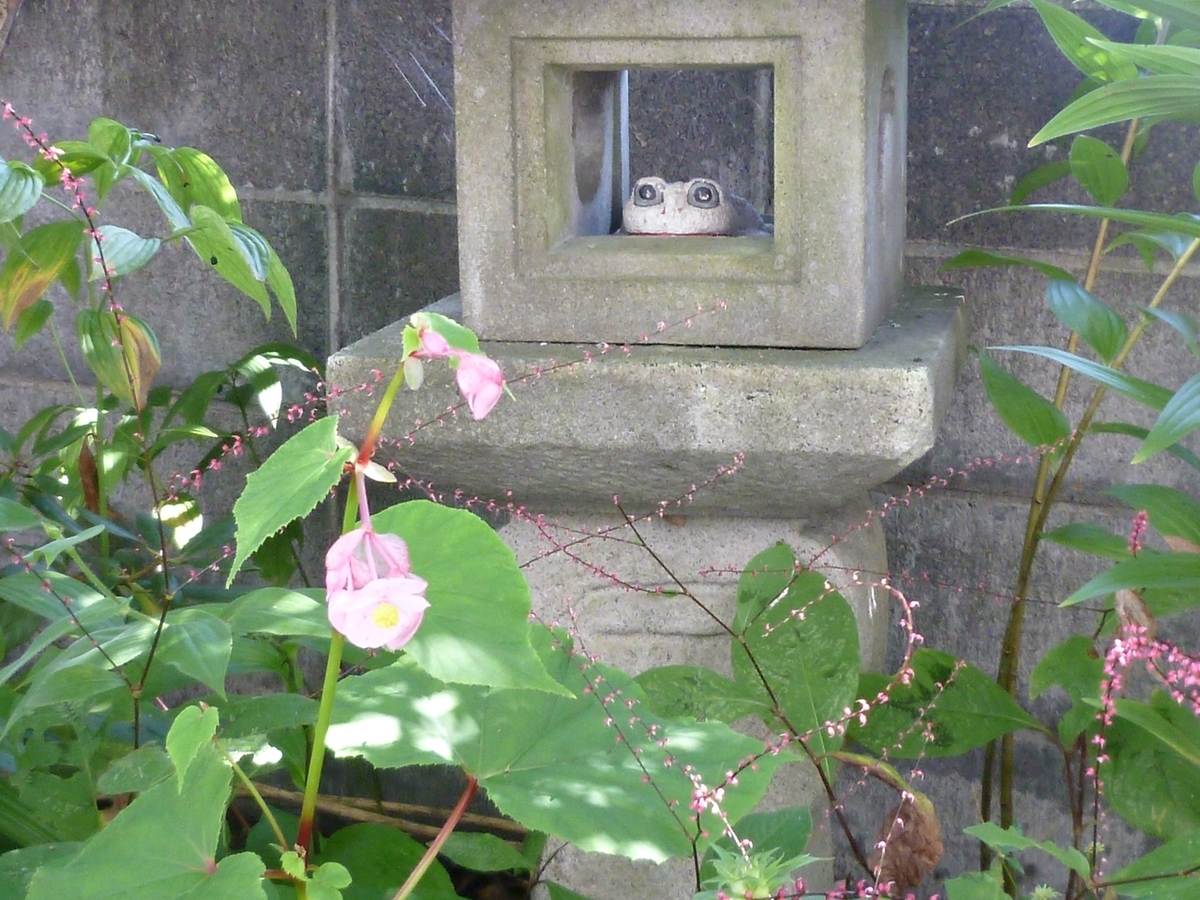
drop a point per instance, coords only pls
(385, 615)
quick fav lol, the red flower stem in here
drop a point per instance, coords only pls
(367, 450)
(442, 836)
(313, 780)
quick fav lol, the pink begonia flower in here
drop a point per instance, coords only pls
(373, 598)
(361, 556)
(480, 381)
(385, 613)
(433, 345)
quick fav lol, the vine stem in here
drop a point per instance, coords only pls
(442, 836)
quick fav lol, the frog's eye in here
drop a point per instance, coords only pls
(647, 193)
(704, 195)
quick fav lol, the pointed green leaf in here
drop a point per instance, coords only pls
(1148, 570)
(1171, 723)
(971, 258)
(43, 255)
(987, 885)
(20, 188)
(197, 644)
(170, 208)
(783, 830)
(1155, 96)
(1149, 243)
(1079, 311)
(163, 846)
(1099, 169)
(765, 579)
(1179, 452)
(1148, 784)
(483, 852)
(1181, 322)
(806, 648)
(1160, 873)
(280, 611)
(1076, 667)
(569, 769)
(78, 685)
(1010, 840)
(1089, 538)
(124, 251)
(280, 283)
(1161, 59)
(192, 729)
(1074, 37)
(1181, 13)
(31, 320)
(1028, 414)
(1040, 177)
(697, 692)
(218, 247)
(1179, 418)
(15, 517)
(477, 629)
(136, 772)
(1144, 392)
(1172, 512)
(956, 704)
(206, 183)
(122, 350)
(288, 485)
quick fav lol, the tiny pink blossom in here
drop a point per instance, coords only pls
(361, 556)
(480, 381)
(384, 613)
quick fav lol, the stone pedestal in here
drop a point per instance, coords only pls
(812, 431)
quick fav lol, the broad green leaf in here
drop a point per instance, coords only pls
(971, 258)
(80, 685)
(1171, 512)
(1144, 392)
(280, 611)
(31, 320)
(1179, 452)
(977, 885)
(1149, 570)
(1161, 59)
(380, 859)
(1179, 418)
(1039, 178)
(1159, 874)
(193, 728)
(136, 772)
(697, 692)
(123, 251)
(1079, 311)
(1089, 538)
(784, 830)
(15, 517)
(68, 802)
(954, 703)
(1028, 414)
(20, 188)
(1076, 667)
(163, 846)
(43, 255)
(20, 823)
(1098, 169)
(764, 580)
(18, 866)
(1155, 96)
(280, 283)
(218, 247)
(1181, 322)
(247, 716)
(1149, 784)
(197, 644)
(1010, 840)
(288, 485)
(574, 768)
(1170, 722)
(170, 208)
(477, 629)
(483, 852)
(122, 350)
(206, 183)
(1075, 38)
(806, 649)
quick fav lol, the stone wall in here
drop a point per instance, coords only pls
(334, 118)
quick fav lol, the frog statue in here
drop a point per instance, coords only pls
(696, 207)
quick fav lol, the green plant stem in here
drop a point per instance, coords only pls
(442, 836)
(258, 798)
(367, 450)
(1040, 502)
(317, 760)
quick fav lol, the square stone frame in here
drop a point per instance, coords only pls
(827, 277)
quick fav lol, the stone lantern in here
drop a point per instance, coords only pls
(820, 372)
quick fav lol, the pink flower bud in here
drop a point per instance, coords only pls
(480, 381)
